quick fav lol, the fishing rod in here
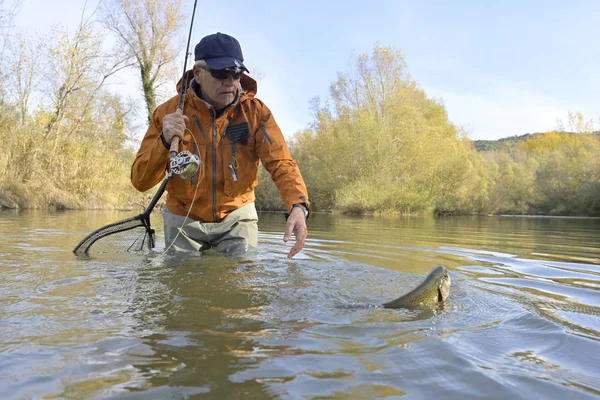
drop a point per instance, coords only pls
(185, 164)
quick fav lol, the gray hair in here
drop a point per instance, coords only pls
(201, 64)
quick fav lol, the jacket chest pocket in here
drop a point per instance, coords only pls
(239, 169)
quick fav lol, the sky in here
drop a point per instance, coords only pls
(501, 68)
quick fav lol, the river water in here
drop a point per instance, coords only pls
(522, 319)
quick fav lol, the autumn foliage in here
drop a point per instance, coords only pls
(378, 143)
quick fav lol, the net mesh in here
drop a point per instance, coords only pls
(129, 235)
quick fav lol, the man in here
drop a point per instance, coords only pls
(231, 131)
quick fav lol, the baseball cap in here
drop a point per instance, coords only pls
(220, 51)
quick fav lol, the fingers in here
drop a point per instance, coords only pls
(174, 125)
(177, 126)
(296, 224)
(289, 228)
(301, 233)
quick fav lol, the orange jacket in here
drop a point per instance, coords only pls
(221, 153)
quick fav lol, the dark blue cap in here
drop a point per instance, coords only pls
(220, 51)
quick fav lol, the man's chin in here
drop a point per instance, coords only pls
(226, 99)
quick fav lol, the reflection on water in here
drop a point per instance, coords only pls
(522, 320)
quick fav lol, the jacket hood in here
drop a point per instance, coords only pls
(249, 85)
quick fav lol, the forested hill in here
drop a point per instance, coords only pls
(487, 145)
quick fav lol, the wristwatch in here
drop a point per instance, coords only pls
(301, 206)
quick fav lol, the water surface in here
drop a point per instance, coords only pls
(522, 320)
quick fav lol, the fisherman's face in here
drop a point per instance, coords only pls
(219, 87)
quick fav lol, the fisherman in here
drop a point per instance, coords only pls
(230, 130)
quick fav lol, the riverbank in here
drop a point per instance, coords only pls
(142, 201)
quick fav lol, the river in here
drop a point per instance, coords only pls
(522, 319)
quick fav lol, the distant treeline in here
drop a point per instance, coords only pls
(489, 145)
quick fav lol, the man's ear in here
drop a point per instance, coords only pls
(197, 72)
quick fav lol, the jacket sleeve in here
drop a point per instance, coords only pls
(152, 158)
(276, 158)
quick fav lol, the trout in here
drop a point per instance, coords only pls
(433, 290)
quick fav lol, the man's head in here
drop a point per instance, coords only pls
(219, 65)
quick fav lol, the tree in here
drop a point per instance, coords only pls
(145, 31)
(576, 123)
(371, 81)
(22, 63)
(78, 70)
(66, 148)
(383, 145)
(6, 24)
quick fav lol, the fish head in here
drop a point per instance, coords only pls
(443, 283)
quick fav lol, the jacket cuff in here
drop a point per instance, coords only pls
(304, 208)
(164, 142)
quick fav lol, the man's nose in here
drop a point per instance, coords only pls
(229, 80)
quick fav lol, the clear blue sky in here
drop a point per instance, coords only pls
(502, 68)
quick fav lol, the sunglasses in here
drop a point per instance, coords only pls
(222, 74)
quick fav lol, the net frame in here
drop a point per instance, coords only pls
(140, 220)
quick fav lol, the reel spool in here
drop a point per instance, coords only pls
(185, 164)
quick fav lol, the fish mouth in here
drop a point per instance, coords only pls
(440, 297)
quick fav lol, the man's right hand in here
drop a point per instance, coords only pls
(174, 125)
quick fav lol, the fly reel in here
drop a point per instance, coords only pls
(185, 164)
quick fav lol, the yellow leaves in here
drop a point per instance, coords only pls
(77, 171)
(41, 117)
(386, 146)
(546, 143)
(371, 82)
(576, 123)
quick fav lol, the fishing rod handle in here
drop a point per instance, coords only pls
(175, 144)
(175, 141)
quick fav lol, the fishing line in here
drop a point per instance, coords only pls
(175, 140)
(184, 164)
(201, 177)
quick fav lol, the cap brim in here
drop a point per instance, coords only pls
(225, 62)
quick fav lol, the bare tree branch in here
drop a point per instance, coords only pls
(147, 30)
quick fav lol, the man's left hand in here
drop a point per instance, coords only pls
(296, 223)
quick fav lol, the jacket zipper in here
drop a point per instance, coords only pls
(197, 122)
(264, 127)
(232, 166)
(214, 154)
(214, 168)
(199, 126)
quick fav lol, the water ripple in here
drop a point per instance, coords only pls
(522, 319)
